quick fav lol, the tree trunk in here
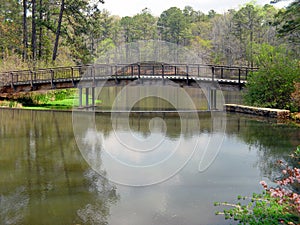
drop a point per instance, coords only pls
(62, 7)
(33, 37)
(41, 28)
(25, 36)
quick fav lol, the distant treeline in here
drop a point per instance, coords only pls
(37, 33)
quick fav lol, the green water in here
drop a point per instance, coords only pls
(45, 180)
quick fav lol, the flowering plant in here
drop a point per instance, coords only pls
(276, 205)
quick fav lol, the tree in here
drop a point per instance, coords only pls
(33, 30)
(247, 20)
(10, 27)
(25, 35)
(273, 84)
(74, 25)
(100, 29)
(173, 26)
(145, 25)
(288, 22)
(226, 47)
(58, 33)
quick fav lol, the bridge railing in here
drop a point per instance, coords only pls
(102, 71)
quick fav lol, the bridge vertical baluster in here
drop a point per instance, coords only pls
(31, 78)
(240, 86)
(12, 79)
(52, 78)
(93, 73)
(163, 71)
(222, 72)
(139, 71)
(187, 74)
(246, 76)
(175, 72)
(198, 70)
(72, 76)
(213, 73)
(131, 70)
(116, 73)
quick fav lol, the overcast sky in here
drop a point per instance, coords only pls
(132, 7)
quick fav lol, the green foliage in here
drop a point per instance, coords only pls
(288, 22)
(142, 26)
(87, 32)
(272, 85)
(173, 26)
(38, 98)
(261, 209)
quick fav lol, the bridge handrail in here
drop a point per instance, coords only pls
(77, 71)
(120, 64)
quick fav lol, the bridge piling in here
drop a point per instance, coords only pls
(80, 97)
(211, 96)
(87, 97)
(93, 96)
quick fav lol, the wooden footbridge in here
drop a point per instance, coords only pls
(91, 76)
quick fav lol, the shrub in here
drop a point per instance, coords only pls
(273, 84)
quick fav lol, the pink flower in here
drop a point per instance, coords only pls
(264, 184)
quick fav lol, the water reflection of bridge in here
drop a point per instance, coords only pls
(174, 124)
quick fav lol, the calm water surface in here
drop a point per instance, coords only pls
(44, 178)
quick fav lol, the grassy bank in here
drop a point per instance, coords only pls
(64, 99)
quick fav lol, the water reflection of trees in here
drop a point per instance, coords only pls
(273, 141)
(43, 178)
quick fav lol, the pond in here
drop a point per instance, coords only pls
(45, 178)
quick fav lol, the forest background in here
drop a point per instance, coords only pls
(43, 33)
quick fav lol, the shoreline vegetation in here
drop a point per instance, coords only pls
(67, 99)
(64, 99)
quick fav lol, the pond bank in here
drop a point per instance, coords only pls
(257, 111)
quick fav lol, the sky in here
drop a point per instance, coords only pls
(132, 7)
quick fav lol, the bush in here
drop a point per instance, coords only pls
(296, 96)
(273, 84)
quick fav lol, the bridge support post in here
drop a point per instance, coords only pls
(211, 98)
(80, 97)
(87, 97)
(93, 97)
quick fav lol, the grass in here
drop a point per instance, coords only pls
(64, 104)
